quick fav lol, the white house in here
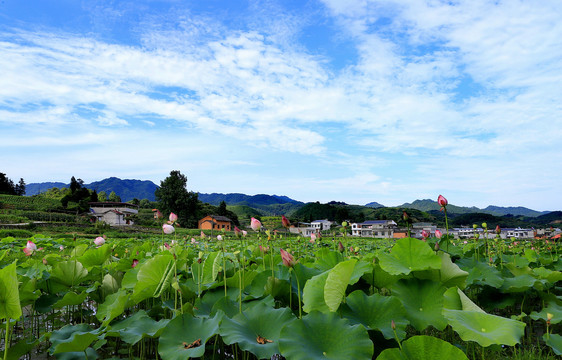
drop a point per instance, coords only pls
(113, 213)
(321, 225)
(374, 228)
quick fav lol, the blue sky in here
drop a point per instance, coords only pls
(355, 101)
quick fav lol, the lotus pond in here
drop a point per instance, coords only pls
(169, 297)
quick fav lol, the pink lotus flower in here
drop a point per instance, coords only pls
(237, 232)
(168, 229)
(99, 241)
(286, 223)
(61, 248)
(219, 237)
(312, 241)
(173, 217)
(135, 263)
(31, 245)
(255, 224)
(167, 246)
(244, 233)
(288, 259)
(202, 234)
(438, 234)
(442, 201)
(264, 249)
(193, 241)
(157, 214)
(312, 237)
(425, 234)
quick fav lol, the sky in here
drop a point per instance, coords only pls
(319, 100)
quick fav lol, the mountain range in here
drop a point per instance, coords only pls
(129, 189)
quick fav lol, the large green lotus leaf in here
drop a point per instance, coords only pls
(324, 336)
(485, 329)
(376, 312)
(455, 299)
(423, 347)
(327, 259)
(211, 267)
(517, 260)
(185, 336)
(518, 270)
(70, 298)
(153, 277)
(313, 293)
(531, 255)
(423, 301)
(72, 338)
(552, 308)
(554, 341)
(548, 275)
(380, 278)
(449, 274)
(10, 307)
(96, 256)
(257, 329)
(205, 306)
(134, 328)
(480, 273)
(130, 278)
(520, 283)
(22, 347)
(69, 273)
(28, 291)
(110, 284)
(336, 283)
(409, 255)
(78, 250)
(241, 276)
(113, 306)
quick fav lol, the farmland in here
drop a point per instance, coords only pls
(178, 296)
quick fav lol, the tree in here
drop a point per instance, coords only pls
(172, 196)
(6, 185)
(222, 209)
(20, 188)
(102, 196)
(113, 197)
(94, 196)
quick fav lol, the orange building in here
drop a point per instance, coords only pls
(215, 222)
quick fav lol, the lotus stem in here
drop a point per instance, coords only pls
(7, 338)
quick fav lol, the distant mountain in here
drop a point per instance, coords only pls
(243, 199)
(428, 205)
(126, 189)
(265, 204)
(374, 205)
(37, 188)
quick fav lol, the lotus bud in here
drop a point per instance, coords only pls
(484, 225)
(173, 217)
(393, 325)
(442, 201)
(255, 224)
(474, 226)
(436, 247)
(344, 223)
(168, 229)
(438, 234)
(287, 258)
(285, 221)
(498, 229)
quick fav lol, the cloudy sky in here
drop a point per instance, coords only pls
(356, 101)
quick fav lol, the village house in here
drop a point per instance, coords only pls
(374, 228)
(321, 225)
(215, 222)
(113, 213)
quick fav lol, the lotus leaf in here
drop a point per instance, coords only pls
(552, 308)
(324, 336)
(555, 342)
(185, 336)
(134, 328)
(257, 329)
(485, 329)
(423, 347)
(113, 306)
(409, 255)
(72, 338)
(10, 307)
(376, 312)
(423, 301)
(153, 277)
